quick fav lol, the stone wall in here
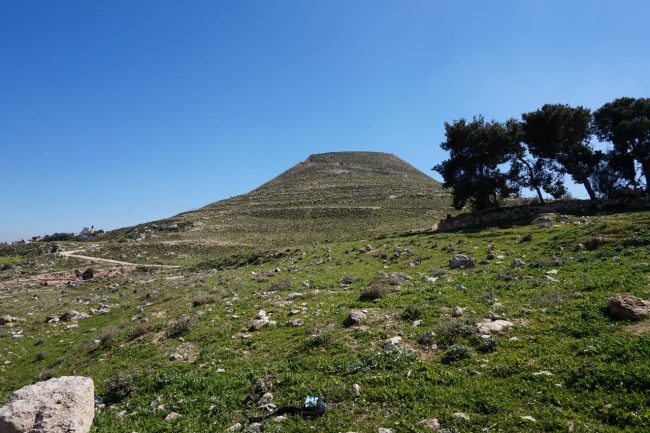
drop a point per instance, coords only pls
(513, 213)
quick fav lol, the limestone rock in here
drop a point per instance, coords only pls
(489, 326)
(517, 263)
(461, 261)
(628, 307)
(354, 318)
(61, 405)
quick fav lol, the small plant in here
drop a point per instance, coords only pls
(455, 353)
(182, 326)
(317, 337)
(140, 330)
(487, 345)
(412, 312)
(376, 290)
(119, 386)
(108, 336)
(280, 285)
(203, 299)
(451, 332)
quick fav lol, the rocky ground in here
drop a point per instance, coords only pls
(497, 330)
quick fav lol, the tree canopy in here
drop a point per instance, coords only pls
(625, 122)
(476, 148)
(562, 133)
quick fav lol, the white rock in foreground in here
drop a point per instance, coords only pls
(488, 326)
(62, 405)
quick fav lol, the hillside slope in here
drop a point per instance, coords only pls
(180, 350)
(330, 196)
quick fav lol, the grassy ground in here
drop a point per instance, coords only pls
(564, 363)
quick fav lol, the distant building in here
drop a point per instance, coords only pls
(88, 230)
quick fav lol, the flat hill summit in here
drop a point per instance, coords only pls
(328, 196)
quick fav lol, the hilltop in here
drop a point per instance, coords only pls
(327, 197)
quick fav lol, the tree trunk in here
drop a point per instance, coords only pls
(539, 194)
(590, 190)
(531, 176)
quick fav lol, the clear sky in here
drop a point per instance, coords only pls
(119, 112)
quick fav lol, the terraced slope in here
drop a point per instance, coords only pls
(330, 196)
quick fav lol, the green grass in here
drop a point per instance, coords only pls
(600, 371)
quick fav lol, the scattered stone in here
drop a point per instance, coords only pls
(427, 338)
(385, 430)
(432, 423)
(578, 247)
(488, 326)
(260, 321)
(460, 416)
(517, 263)
(628, 307)
(233, 428)
(392, 343)
(8, 320)
(528, 418)
(266, 401)
(457, 312)
(354, 318)
(72, 315)
(61, 405)
(544, 219)
(356, 388)
(171, 416)
(296, 322)
(461, 261)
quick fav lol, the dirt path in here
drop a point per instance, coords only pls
(74, 254)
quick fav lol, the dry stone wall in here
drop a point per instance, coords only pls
(513, 213)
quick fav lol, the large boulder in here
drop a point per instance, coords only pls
(62, 405)
(461, 261)
(628, 307)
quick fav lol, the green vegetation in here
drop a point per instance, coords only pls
(178, 340)
(492, 161)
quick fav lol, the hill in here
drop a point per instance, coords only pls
(330, 196)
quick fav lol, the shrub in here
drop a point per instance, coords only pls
(487, 345)
(203, 299)
(279, 285)
(455, 353)
(449, 333)
(140, 330)
(376, 290)
(182, 326)
(119, 386)
(412, 312)
(107, 337)
(317, 337)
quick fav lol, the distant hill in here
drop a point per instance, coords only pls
(329, 196)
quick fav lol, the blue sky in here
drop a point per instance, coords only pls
(119, 112)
